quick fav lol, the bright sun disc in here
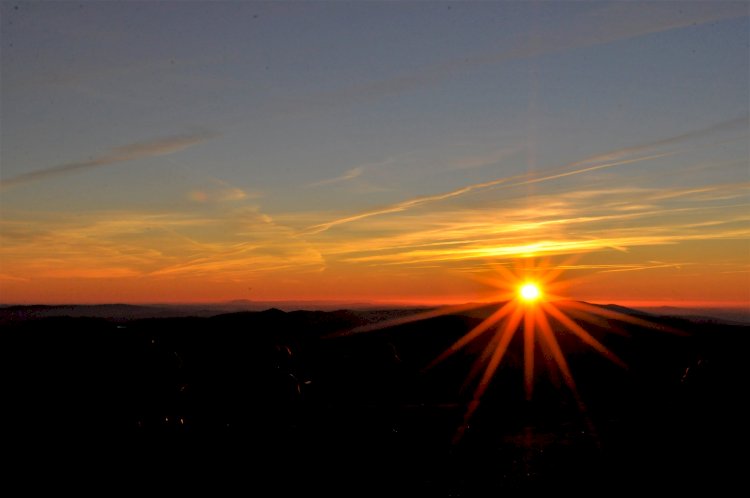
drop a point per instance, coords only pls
(529, 292)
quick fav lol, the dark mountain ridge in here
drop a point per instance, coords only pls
(119, 311)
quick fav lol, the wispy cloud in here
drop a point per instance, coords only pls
(349, 175)
(130, 152)
(402, 206)
(575, 222)
(220, 192)
(629, 155)
(632, 267)
(217, 244)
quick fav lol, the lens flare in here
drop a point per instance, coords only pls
(526, 284)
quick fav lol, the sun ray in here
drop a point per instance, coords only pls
(549, 339)
(474, 333)
(614, 315)
(504, 330)
(507, 333)
(595, 320)
(481, 361)
(424, 315)
(551, 274)
(582, 334)
(535, 294)
(528, 352)
(549, 362)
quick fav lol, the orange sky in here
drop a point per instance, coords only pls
(687, 284)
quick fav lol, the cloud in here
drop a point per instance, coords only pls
(220, 244)
(130, 152)
(349, 175)
(629, 155)
(587, 220)
(221, 192)
(584, 235)
(633, 267)
(402, 206)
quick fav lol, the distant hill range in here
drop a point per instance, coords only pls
(115, 311)
(736, 315)
(118, 311)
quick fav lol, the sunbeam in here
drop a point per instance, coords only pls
(530, 299)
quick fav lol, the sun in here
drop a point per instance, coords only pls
(529, 292)
(532, 305)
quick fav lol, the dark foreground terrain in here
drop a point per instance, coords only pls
(287, 403)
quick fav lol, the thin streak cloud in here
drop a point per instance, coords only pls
(404, 205)
(587, 220)
(130, 152)
(220, 192)
(147, 244)
(349, 175)
(600, 161)
(644, 267)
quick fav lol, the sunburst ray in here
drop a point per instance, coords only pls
(530, 298)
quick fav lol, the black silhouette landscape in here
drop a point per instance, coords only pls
(293, 400)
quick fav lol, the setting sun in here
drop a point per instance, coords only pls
(529, 292)
(528, 281)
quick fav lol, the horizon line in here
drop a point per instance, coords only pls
(655, 303)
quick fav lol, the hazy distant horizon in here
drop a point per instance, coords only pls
(733, 312)
(402, 302)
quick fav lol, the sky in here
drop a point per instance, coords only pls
(200, 151)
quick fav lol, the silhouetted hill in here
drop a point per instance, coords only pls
(110, 311)
(124, 312)
(725, 315)
(325, 401)
(623, 309)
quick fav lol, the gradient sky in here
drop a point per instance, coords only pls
(394, 151)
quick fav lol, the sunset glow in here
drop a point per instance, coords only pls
(277, 153)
